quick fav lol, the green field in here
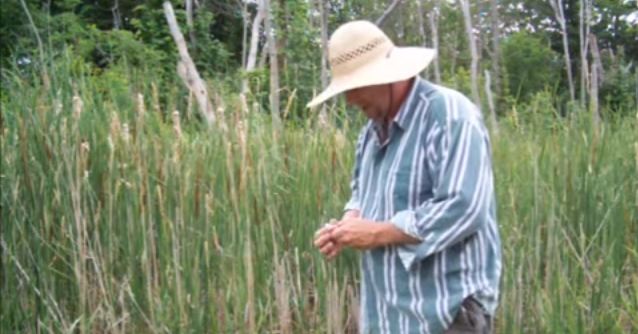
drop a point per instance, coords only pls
(114, 221)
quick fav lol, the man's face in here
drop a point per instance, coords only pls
(372, 100)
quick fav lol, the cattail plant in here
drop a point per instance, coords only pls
(177, 128)
(84, 158)
(78, 105)
(126, 136)
(141, 109)
(197, 229)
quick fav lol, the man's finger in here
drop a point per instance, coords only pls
(335, 251)
(337, 234)
(327, 248)
(322, 240)
(326, 228)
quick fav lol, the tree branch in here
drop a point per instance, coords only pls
(388, 11)
(186, 68)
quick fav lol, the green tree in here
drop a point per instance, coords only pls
(530, 63)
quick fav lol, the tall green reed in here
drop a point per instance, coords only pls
(120, 215)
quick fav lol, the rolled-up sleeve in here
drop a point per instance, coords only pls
(460, 168)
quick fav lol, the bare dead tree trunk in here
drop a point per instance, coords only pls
(186, 68)
(254, 36)
(379, 22)
(467, 14)
(325, 73)
(189, 21)
(559, 13)
(420, 13)
(596, 58)
(244, 56)
(433, 19)
(274, 66)
(399, 26)
(244, 33)
(117, 18)
(282, 33)
(496, 46)
(264, 55)
(324, 43)
(249, 65)
(490, 102)
(596, 78)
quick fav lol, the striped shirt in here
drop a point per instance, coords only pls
(432, 178)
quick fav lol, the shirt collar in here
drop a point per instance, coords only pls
(402, 118)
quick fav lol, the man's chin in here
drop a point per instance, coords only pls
(371, 115)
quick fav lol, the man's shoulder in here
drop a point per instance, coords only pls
(447, 105)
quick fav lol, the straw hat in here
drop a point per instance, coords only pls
(362, 55)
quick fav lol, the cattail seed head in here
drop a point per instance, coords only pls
(176, 124)
(241, 130)
(140, 105)
(116, 127)
(340, 140)
(85, 147)
(77, 106)
(125, 132)
(58, 108)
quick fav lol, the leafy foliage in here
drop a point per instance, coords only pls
(103, 34)
(530, 63)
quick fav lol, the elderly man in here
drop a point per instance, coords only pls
(422, 211)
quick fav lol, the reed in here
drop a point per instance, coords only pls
(119, 217)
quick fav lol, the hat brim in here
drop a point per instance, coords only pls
(403, 63)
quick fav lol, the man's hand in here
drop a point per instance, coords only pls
(357, 233)
(353, 231)
(323, 237)
(366, 234)
(324, 241)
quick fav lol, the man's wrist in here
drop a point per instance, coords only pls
(387, 234)
(380, 235)
(352, 213)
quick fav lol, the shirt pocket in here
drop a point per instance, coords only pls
(412, 185)
(401, 188)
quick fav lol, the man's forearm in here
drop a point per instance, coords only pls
(388, 234)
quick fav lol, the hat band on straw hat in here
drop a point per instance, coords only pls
(345, 57)
(373, 60)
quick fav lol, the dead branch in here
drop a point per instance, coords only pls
(388, 11)
(186, 68)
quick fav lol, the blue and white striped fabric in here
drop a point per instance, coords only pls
(431, 178)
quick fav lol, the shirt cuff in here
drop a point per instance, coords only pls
(353, 204)
(407, 254)
(406, 222)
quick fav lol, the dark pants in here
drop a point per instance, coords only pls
(471, 318)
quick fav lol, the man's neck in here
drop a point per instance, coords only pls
(400, 94)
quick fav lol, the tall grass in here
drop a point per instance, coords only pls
(118, 218)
